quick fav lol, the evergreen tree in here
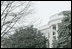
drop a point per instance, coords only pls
(64, 31)
(25, 38)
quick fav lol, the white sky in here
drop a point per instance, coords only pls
(44, 9)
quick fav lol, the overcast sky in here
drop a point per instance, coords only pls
(44, 9)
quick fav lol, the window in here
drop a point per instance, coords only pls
(54, 27)
(53, 33)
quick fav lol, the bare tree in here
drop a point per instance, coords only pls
(11, 13)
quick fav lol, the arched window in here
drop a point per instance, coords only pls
(53, 33)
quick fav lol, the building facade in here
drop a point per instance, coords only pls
(50, 30)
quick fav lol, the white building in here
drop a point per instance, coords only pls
(50, 29)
